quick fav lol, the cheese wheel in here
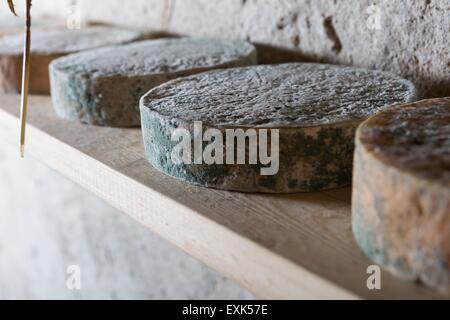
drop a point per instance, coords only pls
(316, 109)
(401, 191)
(103, 87)
(48, 45)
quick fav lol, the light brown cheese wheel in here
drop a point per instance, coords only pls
(48, 45)
(401, 191)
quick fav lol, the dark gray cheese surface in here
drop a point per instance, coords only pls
(316, 108)
(288, 95)
(68, 41)
(103, 86)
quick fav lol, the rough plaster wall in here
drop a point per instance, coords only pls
(413, 39)
(47, 223)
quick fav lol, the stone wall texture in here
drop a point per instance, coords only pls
(407, 37)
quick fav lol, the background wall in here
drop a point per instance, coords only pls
(408, 37)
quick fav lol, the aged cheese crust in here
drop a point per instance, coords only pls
(401, 191)
(103, 87)
(316, 107)
(47, 45)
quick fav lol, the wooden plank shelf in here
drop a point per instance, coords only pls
(278, 246)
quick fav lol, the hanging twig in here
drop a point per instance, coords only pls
(25, 78)
(11, 6)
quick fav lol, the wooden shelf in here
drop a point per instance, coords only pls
(277, 246)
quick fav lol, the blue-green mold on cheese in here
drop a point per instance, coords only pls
(316, 108)
(103, 87)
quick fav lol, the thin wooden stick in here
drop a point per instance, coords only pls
(11, 7)
(25, 78)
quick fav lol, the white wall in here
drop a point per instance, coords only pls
(409, 37)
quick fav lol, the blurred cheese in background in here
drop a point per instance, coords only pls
(48, 45)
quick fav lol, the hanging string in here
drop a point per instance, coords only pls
(25, 78)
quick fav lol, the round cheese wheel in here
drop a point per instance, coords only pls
(316, 109)
(401, 191)
(47, 45)
(103, 87)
